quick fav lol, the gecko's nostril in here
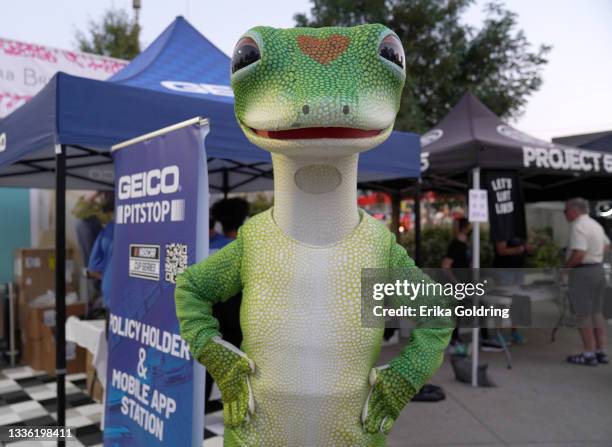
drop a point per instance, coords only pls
(346, 110)
(305, 109)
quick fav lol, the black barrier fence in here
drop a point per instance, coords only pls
(491, 298)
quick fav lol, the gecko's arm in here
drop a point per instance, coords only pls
(216, 279)
(394, 385)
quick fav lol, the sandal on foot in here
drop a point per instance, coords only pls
(602, 358)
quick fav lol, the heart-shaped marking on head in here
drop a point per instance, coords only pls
(324, 50)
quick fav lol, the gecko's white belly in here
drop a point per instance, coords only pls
(301, 324)
(312, 354)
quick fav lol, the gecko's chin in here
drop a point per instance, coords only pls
(313, 133)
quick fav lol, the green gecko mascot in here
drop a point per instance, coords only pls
(304, 375)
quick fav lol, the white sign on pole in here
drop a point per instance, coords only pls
(478, 206)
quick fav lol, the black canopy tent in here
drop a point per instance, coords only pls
(471, 137)
(599, 141)
(603, 144)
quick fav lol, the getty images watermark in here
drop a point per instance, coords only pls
(469, 298)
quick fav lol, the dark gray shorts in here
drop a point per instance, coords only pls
(587, 285)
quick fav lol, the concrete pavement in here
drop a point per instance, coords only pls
(541, 402)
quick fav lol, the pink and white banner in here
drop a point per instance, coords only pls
(25, 68)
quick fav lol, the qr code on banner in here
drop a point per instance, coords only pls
(176, 261)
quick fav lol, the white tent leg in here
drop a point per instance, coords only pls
(475, 266)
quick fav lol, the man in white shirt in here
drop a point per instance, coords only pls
(587, 245)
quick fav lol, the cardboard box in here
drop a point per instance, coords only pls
(40, 317)
(45, 349)
(34, 271)
(75, 356)
(39, 331)
(34, 355)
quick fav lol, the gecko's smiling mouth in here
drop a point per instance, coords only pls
(308, 133)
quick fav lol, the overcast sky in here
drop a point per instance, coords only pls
(576, 96)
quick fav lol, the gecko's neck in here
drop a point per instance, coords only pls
(315, 200)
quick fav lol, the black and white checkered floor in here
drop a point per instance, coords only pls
(28, 398)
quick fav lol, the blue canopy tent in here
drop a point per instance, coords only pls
(180, 60)
(62, 137)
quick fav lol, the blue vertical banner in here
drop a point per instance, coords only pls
(155, 389)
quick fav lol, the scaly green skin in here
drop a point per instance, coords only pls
(230, 371)
(271, 93)
(306, 353)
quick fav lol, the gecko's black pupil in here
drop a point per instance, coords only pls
(245, 54)
(391, 49)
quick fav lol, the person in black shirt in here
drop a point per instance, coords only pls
(458, 253)
(510, 254)
(457, 261)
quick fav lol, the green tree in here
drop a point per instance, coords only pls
(445, 57)
(259, 204)
(115, 35)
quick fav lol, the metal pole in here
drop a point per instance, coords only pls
(60, 283)
(396, 198)
(225, 186)
(475, 266)
(417, 224)
(11, 297)
(136, 5)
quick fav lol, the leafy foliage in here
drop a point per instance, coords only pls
(259, 204)
(445, 57)
(546, 253)
(115, 35)
(435, 241)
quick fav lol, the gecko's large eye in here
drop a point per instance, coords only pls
(391, 49)
(245, 53)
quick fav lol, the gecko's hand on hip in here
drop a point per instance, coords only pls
(389, 393)
(230, 368)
